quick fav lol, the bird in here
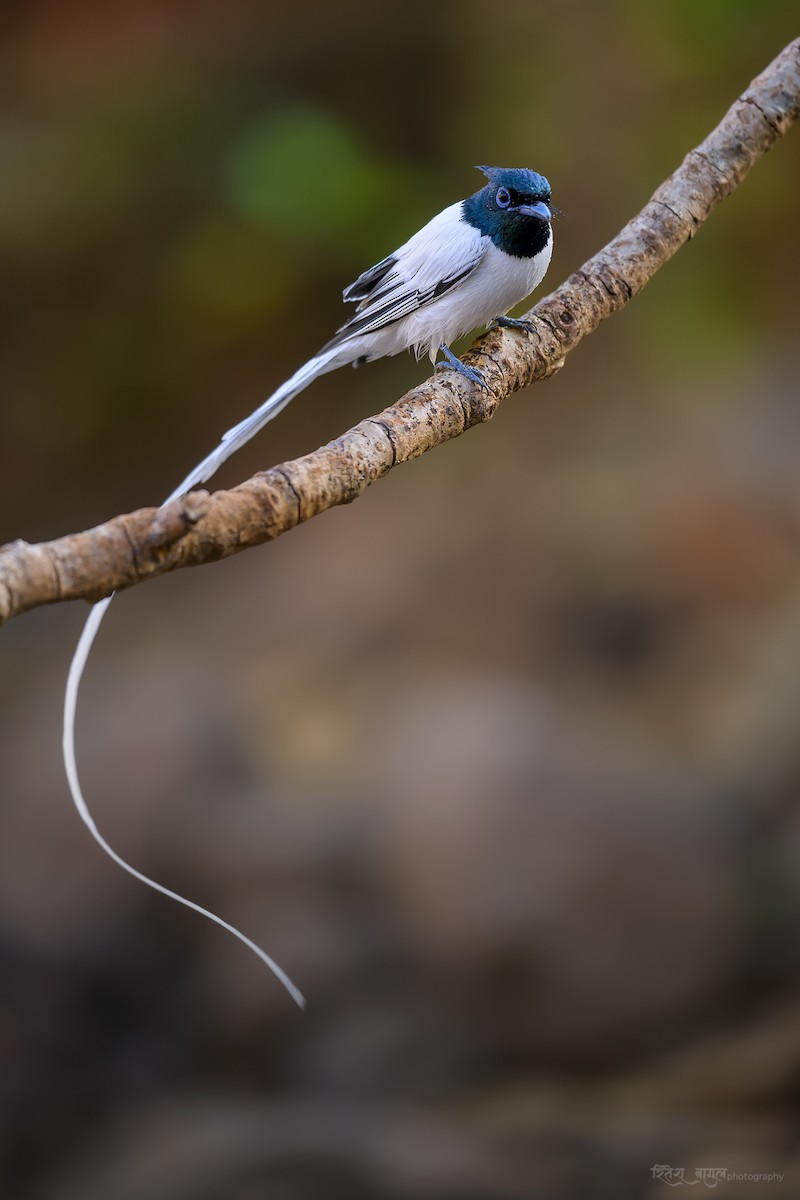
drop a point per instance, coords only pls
(466, 268)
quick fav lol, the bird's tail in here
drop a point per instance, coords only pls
(240, 434)
(233, 440)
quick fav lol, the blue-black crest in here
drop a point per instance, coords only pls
(519, 180)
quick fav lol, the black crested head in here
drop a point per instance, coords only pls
(513, 209)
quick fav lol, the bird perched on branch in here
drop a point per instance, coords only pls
(465, 268)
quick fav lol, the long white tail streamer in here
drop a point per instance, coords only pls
(231, 441)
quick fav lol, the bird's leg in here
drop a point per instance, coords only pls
(468, 372)
(514, 323)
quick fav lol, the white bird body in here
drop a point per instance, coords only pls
(466, 267)
(401, 310)
(492, 283)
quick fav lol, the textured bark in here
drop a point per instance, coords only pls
(203, 527)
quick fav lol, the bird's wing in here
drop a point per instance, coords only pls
(368, 280)
(443, 254)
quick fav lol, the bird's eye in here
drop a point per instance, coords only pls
(503, 197)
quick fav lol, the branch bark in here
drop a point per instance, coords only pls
(203, 527)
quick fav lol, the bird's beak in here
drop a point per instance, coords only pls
(539, 210)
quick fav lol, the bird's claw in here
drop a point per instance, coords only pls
(471, 373)
(514, 323)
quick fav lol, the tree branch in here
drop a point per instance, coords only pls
(203, 527)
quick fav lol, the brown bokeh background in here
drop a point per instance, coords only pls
(502, 763)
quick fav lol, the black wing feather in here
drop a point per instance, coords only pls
(369, 280)
(399, 302)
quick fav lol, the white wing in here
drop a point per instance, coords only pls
(442, 255)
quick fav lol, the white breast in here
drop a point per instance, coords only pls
(496, 285)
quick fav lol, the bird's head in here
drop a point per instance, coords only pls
(513, 209)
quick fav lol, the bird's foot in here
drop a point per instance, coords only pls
(514, 323)
(471, 373)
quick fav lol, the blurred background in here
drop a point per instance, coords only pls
(501, 763)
